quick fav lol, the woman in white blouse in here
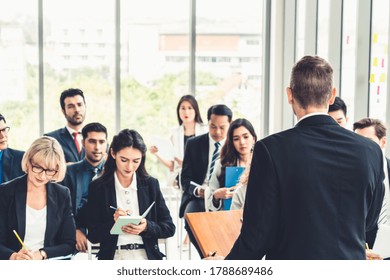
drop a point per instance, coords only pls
(125, 188)
(190, 125)
(37, 208)
(237, 151)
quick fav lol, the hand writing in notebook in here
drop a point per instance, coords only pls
(121, 212)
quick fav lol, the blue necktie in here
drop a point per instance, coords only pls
(214, 158)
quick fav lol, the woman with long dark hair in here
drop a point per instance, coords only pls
(190, 125)
(126, 186)
(237, 151)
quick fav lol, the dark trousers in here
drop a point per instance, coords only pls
(195, 205)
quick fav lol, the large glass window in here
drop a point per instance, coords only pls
(18, 70)
(229, 56)
(79, 52)
(154, 67)
(379, 59)
(300, 29)
(323, 28)
(348, 73)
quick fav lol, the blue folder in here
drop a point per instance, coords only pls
(232, 177)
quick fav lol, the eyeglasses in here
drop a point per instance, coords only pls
(39, 170)
(5, 130)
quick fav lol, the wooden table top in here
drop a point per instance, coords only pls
(215, 231)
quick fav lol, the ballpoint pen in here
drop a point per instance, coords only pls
(112, 207)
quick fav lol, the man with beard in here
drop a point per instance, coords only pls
(80, 174)
(73, 107)
(10, 159)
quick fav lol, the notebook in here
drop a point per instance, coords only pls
(232, 177)
(125, 220)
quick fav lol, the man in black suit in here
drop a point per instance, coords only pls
(315, 190)
(198, 165)
(74, 109)
(375, 130)
(10, 159)
(338, 111)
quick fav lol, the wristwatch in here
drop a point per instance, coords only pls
(43, 254)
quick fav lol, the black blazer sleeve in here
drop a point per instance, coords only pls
(160, 224)
(261, 209)
(60, 237)
(99, 216)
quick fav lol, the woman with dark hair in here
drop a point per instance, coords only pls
(190, 125)
(237, 151)
(126, 186)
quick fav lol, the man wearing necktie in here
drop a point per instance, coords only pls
(10, 159)
(80, 174)
(198, 163)
(375, 130)
(74, 109)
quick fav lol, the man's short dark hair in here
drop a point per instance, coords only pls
(93, 127)
(220, 110)
(338, 104)
(311, 81)
(2, 118)
(379, 126)
(70, 93)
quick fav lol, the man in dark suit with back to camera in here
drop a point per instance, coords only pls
(80, 174)
(10, 159)
(74, 109)
(199, 155)
(315, 190)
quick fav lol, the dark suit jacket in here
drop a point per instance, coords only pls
(60, 235)
(67, 143)
(195, 163)
(12, 164)
(314, 192)
(102, 195)
(74, 180)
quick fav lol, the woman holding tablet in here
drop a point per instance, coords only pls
(126, 186)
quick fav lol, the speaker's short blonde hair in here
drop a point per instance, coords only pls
(46, 150)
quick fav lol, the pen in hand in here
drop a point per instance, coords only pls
(213, 254)
(368, 249)
(20, 240)
(112, 207)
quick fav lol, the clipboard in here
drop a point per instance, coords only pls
(232, 177)
(125, 220)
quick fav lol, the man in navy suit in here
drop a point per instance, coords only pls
(80, 174)
(198, 160)
(375, 130)
(314, 191)
(74, 109)
(338, 111)
(10, 159)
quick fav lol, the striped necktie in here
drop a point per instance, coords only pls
(214, 158)
(383, 214)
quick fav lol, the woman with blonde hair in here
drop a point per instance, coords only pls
(34, 208)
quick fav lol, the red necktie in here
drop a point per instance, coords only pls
(76, 141)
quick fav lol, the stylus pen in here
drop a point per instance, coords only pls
(112, 207)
